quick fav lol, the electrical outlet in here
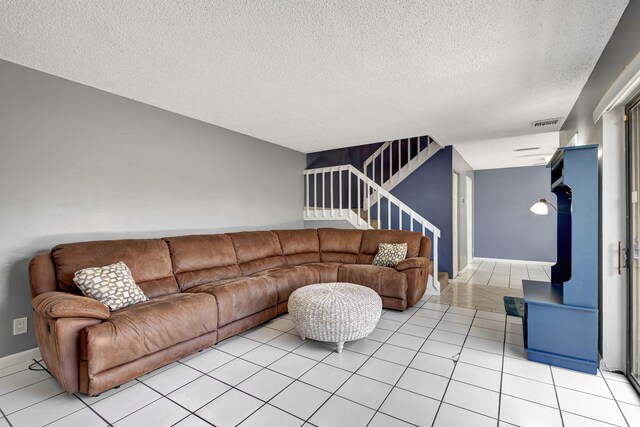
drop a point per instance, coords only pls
(20, 326)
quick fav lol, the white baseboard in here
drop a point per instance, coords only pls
(513, 261)
(431, 290)
(16, 358)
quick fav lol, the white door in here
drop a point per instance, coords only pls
(455, 208)
(469, 202)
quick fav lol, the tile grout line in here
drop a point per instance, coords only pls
(493, 271)
(38, 402)
(162, 395)
(442, 376)
(25, 386)
(236, 357)
(289, 385)
(202, 375)
(592, 419)
(318, 362)
(16, 372)
(4, 416)
(624, 417)
(504, 346)
(90, 408)
(74, 395)
(431, 354)
(369, 357)
(298, 379)
(555, 391)
(455, 365)
(406, 367)
(473, 274)
(232, 387)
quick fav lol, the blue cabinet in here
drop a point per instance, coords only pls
(561, 316)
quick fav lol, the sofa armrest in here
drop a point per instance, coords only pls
(415, 262)
(62, 304)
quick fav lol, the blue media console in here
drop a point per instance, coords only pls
(561, 317)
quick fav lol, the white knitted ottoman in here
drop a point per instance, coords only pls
(335, 312)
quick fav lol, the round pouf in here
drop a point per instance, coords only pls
(335, 312)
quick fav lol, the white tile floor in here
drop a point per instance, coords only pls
(502, 274)
(432, 365)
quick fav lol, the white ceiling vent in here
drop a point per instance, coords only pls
(526, 149)
(546, 122)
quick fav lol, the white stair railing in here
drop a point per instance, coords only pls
(396, 159)
(364, 204)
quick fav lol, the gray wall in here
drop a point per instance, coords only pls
(505, 228)
(463, 169)
(620, 50)
(78, 164)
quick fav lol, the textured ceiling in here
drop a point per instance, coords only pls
(501, 152)
(315, 75)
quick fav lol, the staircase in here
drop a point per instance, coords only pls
(363, 198)
(390, 164)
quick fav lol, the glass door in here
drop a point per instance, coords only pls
(633, 159)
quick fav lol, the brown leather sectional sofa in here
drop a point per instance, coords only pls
(201, 289)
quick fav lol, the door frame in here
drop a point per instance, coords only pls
(469, 201)
(628, 251)
(455, 218)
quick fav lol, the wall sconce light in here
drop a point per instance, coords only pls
(541, 207)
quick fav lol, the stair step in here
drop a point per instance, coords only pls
(363, 214)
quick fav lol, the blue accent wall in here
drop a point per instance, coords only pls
(504, 227)
(428, 191)
(342, 156)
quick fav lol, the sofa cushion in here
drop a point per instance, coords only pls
(148, 260)
(288, 279)
(299, 246)
(338, 245)
(390, 254)
(239, 298)
(146, 328)
(371, 240)
(112, 285)
(257, 251)
(385, 281)
(328, 271)
(198, 260)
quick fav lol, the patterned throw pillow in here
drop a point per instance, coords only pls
(390, 254)
(112, 285)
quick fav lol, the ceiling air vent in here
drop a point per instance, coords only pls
(527, 149)
(544, 123)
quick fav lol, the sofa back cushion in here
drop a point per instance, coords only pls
(148, 260)
(299, 246)
(339, 245)
(198, 260)
(371, 239)
(257, 251)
